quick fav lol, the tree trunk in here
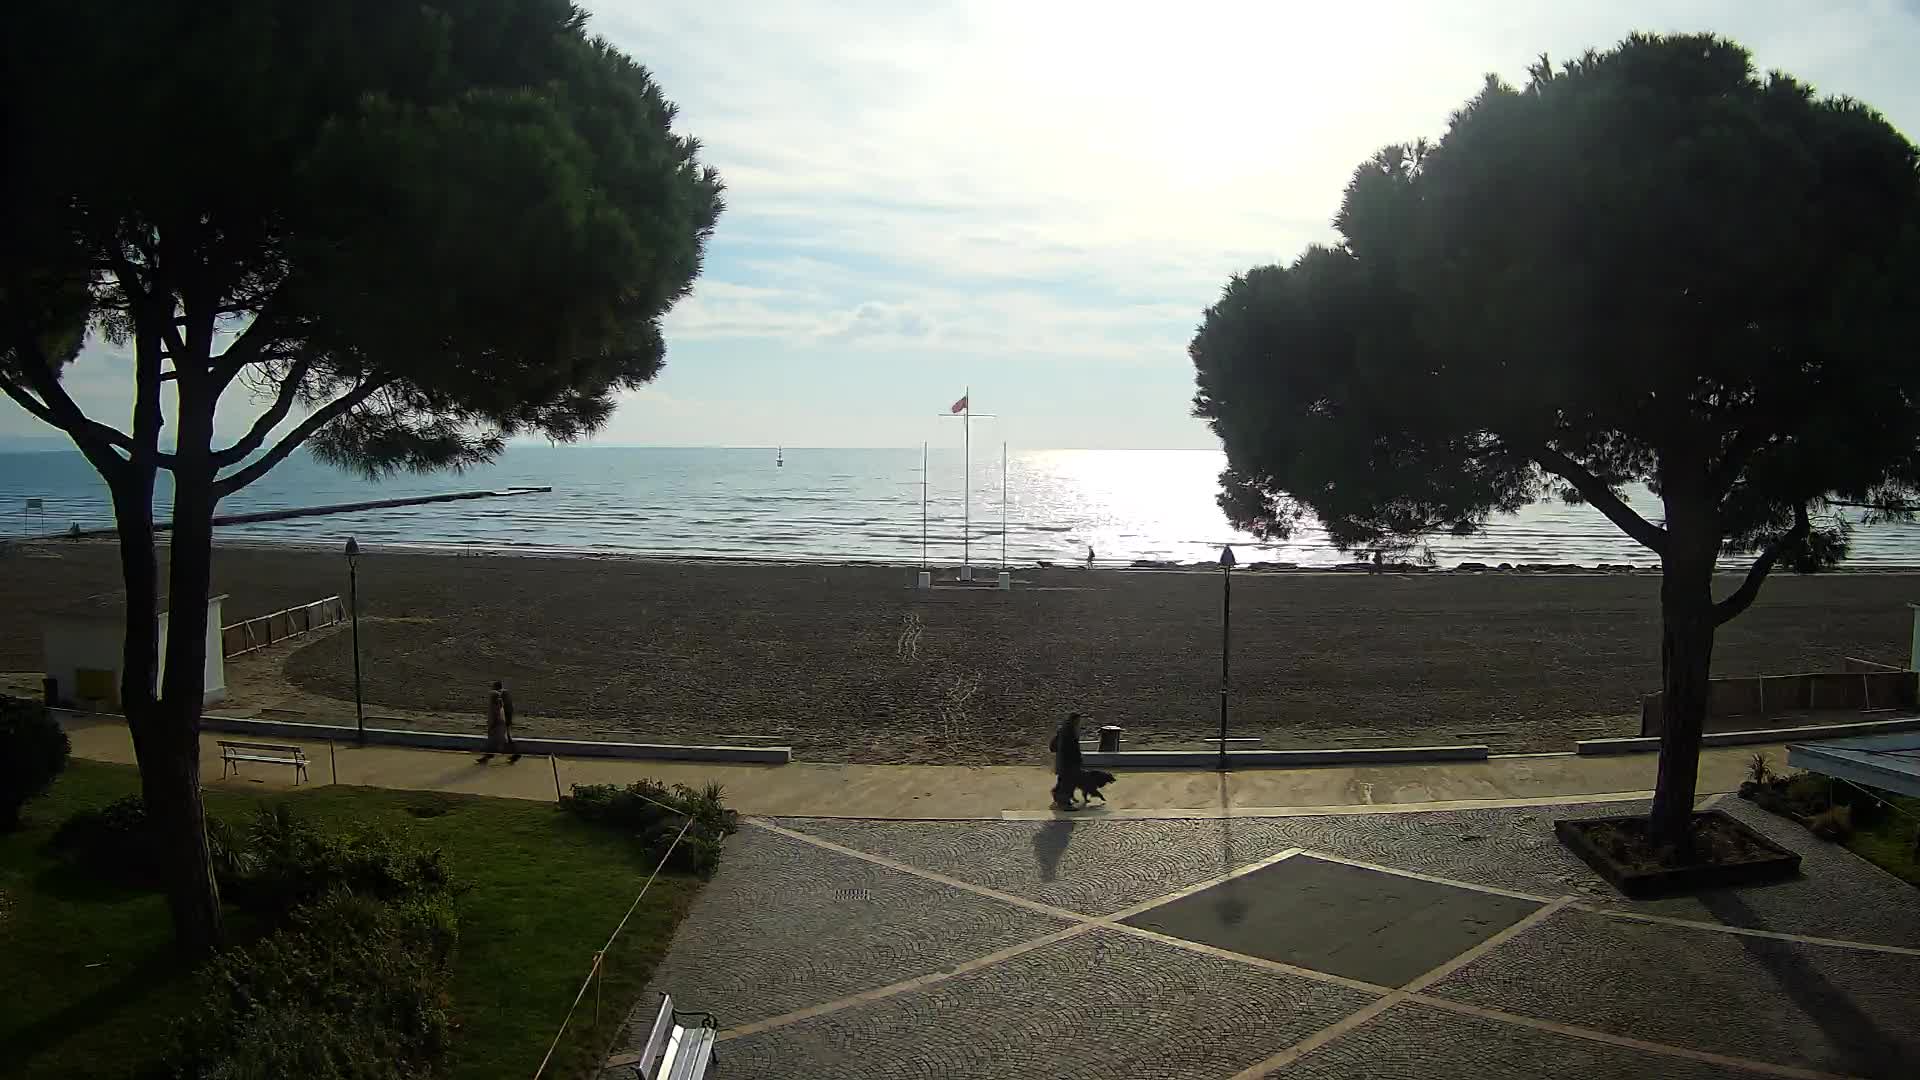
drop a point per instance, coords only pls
(173, 787)
(1686, 663)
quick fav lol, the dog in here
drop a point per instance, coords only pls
(1090, 783)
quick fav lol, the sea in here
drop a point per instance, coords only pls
(824, 505)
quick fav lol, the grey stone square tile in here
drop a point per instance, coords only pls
(1837, 895)
(1094, 867)
(1418, 1042)
(1102, 1005)
(785, 925)
(1327, 916)
(1816, 1006)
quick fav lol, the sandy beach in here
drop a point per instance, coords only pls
(848, 663)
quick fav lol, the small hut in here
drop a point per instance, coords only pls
(83, 643)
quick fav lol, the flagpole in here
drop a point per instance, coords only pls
(923, 506)
(964, 410)
(1003, 506)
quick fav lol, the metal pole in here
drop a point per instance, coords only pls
(556, 777)
(923, 506)
(333, 764)
(966, 488)
(1003, 506)
(359, 706)
(1226, 642)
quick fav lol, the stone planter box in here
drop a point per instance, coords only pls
(1762, 860)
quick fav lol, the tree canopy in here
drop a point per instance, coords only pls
(1644, 262)
(405, 231)
(1647, 265)
(425, 226)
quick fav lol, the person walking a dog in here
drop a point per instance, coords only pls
(1066, 762)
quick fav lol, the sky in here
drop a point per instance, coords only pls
(1037, 201)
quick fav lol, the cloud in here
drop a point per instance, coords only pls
(974, 190)
(875, 320)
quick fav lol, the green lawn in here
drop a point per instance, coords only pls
(92, 985)
(1889, 843)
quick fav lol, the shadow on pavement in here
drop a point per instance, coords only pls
(1049, 844)
(1855, 1038)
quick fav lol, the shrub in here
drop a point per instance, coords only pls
(352, 989)
(115, 843)
(1835, 823)
(1759, 769)
(33, 750)
(291, 863)
(111, 841)
(653, 814)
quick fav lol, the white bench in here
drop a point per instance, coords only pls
(233, 753)
(674, 1051)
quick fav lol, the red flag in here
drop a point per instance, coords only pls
(961, 405)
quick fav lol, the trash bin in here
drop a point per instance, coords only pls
(924, 580)
(1110, 739)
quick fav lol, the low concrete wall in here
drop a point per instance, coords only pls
(1758, 697)
(1281, 759)
(452, 740)
(1649, 743)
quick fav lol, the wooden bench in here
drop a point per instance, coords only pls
(233, 753)
(674, 1051)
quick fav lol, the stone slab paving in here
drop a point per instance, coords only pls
(1837, 1009)
(1098, 1006)
(1838, 894)
(996, 991)
(1379, 928)
(785, 925)
(1090, 866)
(1418, 1042)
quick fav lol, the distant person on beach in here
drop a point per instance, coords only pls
(1089, 556)
(500, 724)
(1066, 761)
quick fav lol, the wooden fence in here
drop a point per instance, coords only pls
(1750, 701)
(258, 633)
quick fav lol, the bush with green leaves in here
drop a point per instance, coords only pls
(653, 814)
(353, 988)
(292, 862)
(33, 751)
(115, 842)
(1810, 798)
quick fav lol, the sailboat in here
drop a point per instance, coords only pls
(779, 457)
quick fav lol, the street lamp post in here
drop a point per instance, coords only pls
(1226, 642)
(353, 603)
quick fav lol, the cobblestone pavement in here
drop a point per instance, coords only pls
(832, 948)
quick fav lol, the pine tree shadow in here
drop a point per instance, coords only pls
(153, 973)
(1854, 1036)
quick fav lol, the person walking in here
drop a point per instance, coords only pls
(500, 724)
(1066, 761)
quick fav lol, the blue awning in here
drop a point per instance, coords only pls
(1888, 762)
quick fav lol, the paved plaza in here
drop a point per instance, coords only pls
(1455, 943)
